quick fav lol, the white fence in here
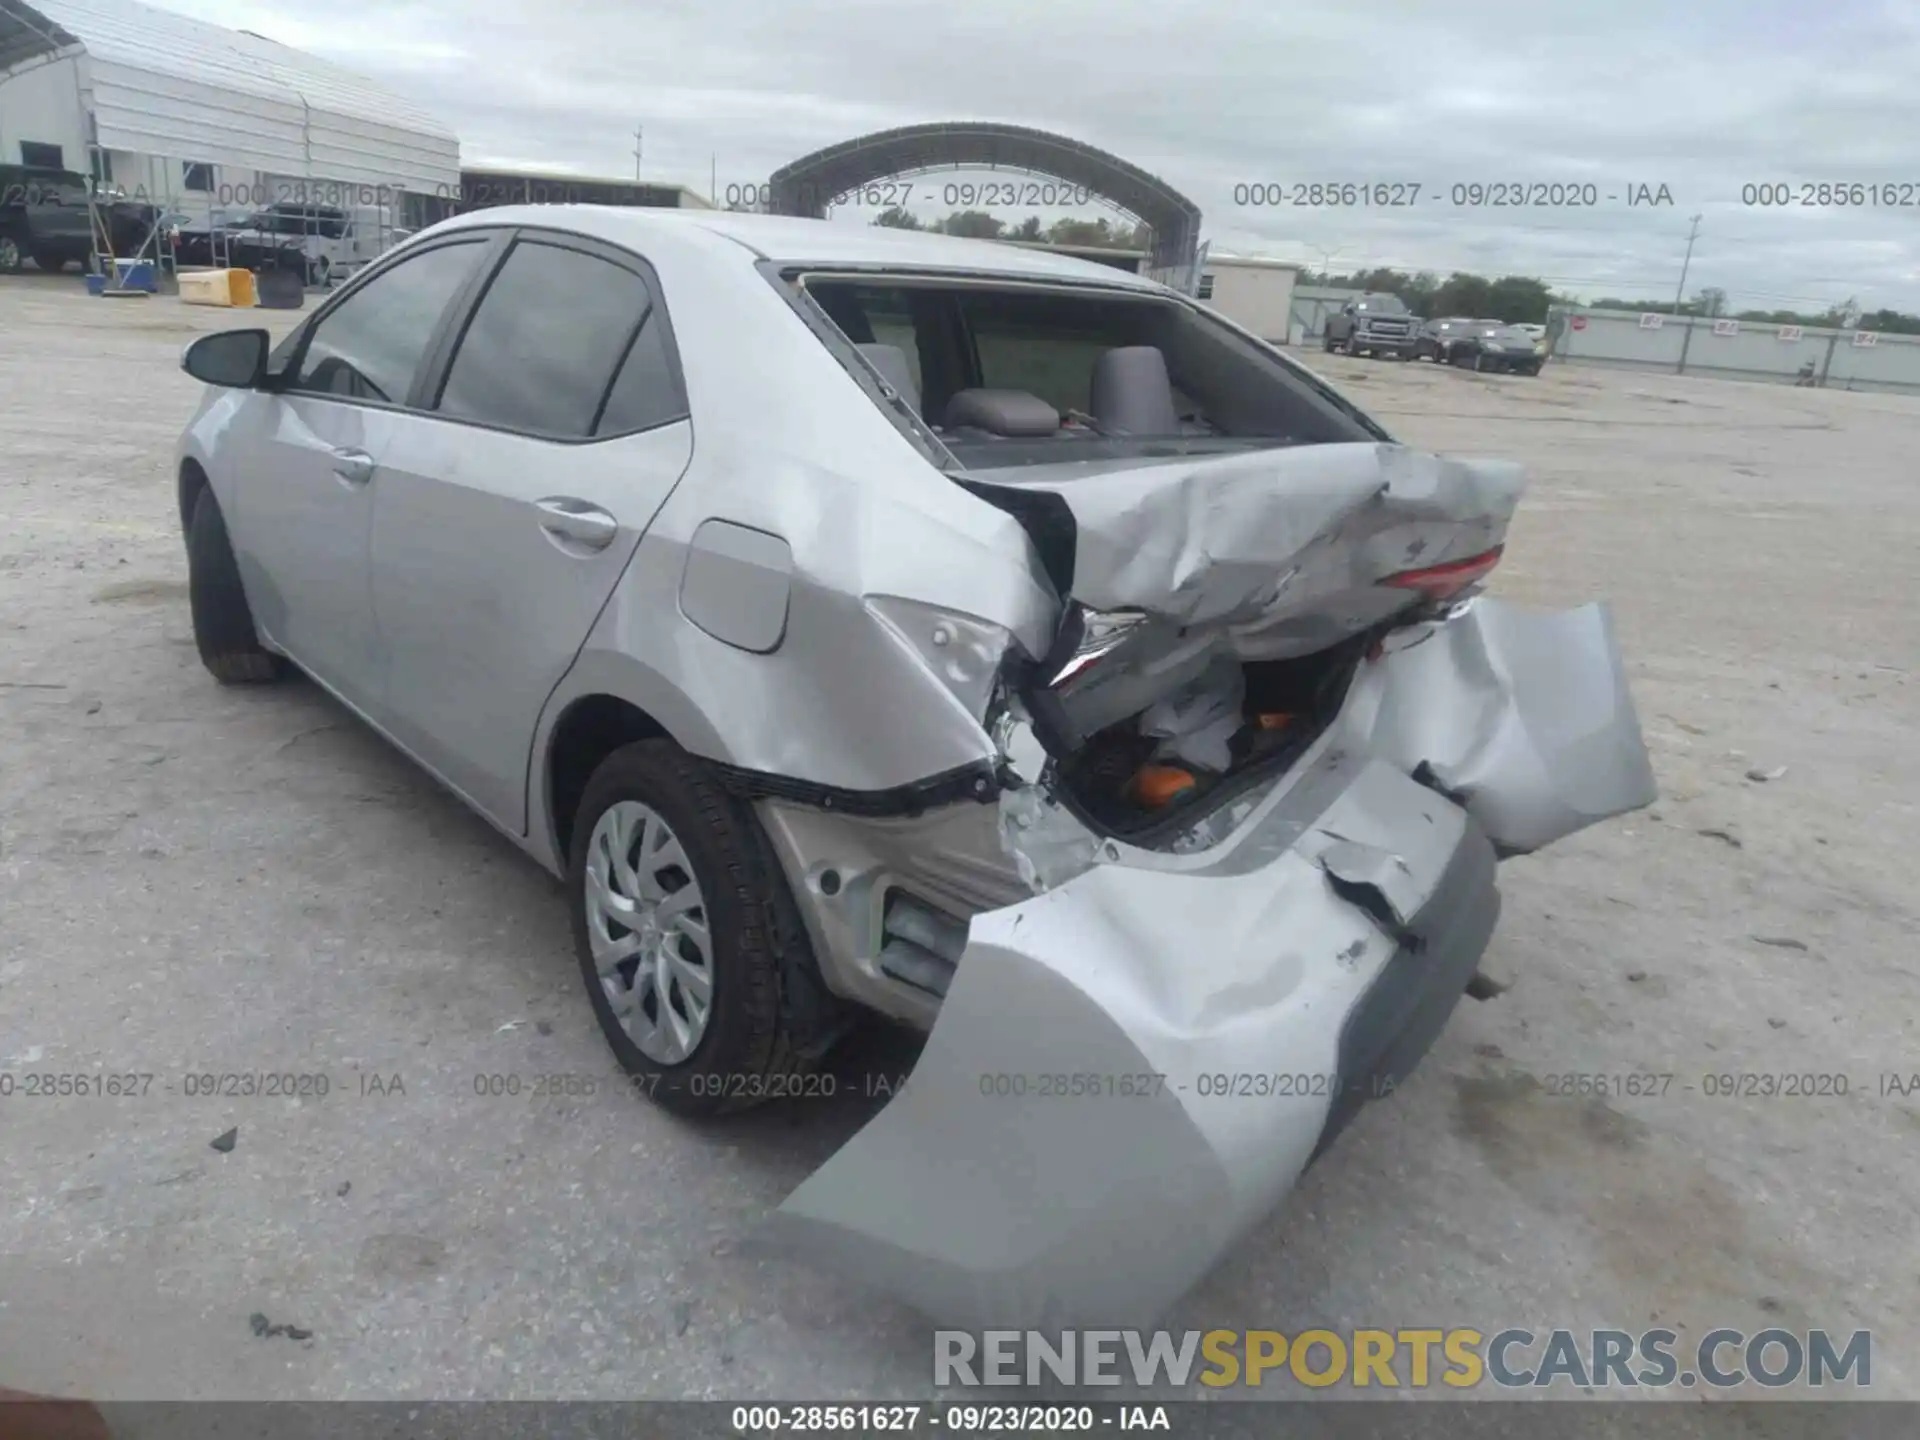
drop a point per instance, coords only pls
(1737, 349)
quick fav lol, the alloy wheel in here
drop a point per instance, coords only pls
(648, 928)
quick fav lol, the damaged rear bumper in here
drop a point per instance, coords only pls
(1134, 1066)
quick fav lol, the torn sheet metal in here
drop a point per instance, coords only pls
(1066, 1152)
(1241, 538)
(1525, 717)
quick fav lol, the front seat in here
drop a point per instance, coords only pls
(1131, 394)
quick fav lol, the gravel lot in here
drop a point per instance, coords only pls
(200, 880)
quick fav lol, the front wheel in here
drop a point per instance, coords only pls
(223, 629)
(688, 938)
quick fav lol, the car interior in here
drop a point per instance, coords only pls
(1008, 376)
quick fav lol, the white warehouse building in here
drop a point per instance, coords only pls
(205, 121)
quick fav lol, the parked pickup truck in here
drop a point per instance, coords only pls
(1374, 325)
(44, 218)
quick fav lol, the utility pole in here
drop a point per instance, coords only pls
(1692, 235)
(1686, 336)
(1849, 317)
(637, 136)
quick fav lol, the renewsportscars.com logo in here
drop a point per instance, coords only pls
(1403, 1359)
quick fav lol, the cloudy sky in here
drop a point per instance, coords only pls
(1703, 97)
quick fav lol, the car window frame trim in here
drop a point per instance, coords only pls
(488, 237)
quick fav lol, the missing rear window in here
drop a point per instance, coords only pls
(1024, 374)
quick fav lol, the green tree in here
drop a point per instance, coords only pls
(1891, 322)
(975, 224)
(1518, 300)
(1463, 295)
(898, 217)
(1710, 302)
(1029, 229)
(1098, 232)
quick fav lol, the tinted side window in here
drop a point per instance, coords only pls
(541, 349)
(644, 393)
(371, 345)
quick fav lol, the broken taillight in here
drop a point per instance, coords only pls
(1443, 582)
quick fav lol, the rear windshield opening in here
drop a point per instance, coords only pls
(1026, 375)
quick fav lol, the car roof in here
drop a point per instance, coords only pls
(793, 240)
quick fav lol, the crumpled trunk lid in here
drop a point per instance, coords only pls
(1261, 538)
(1189, 564)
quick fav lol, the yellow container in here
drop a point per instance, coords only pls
(217, 287)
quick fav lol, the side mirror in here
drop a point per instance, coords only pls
(233, 358)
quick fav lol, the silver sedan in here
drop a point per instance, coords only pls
(858, 620)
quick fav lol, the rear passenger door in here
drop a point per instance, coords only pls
(555, 427)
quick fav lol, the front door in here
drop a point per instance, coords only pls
(310, 473)
(509, 506)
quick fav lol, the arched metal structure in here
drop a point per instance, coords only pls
(809, 184)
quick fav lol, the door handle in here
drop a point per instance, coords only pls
(353, 466)
(577, 521)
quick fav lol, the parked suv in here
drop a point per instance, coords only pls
(856, 618)
(1374, 325)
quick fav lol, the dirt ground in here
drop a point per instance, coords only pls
(196, 880)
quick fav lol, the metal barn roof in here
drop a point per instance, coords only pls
(165, 84)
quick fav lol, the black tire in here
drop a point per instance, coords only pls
(12, 256)
(53, 262)
(222, 622)
(1328, 342)
(770, 1018)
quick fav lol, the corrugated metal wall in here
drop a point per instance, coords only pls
(162, 84)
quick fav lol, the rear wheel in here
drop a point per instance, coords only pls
(688, 937)
(10, 255)
(1328, 342)
(51, 260)
(223, 630)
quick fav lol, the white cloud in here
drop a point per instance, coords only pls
(1213, 93)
